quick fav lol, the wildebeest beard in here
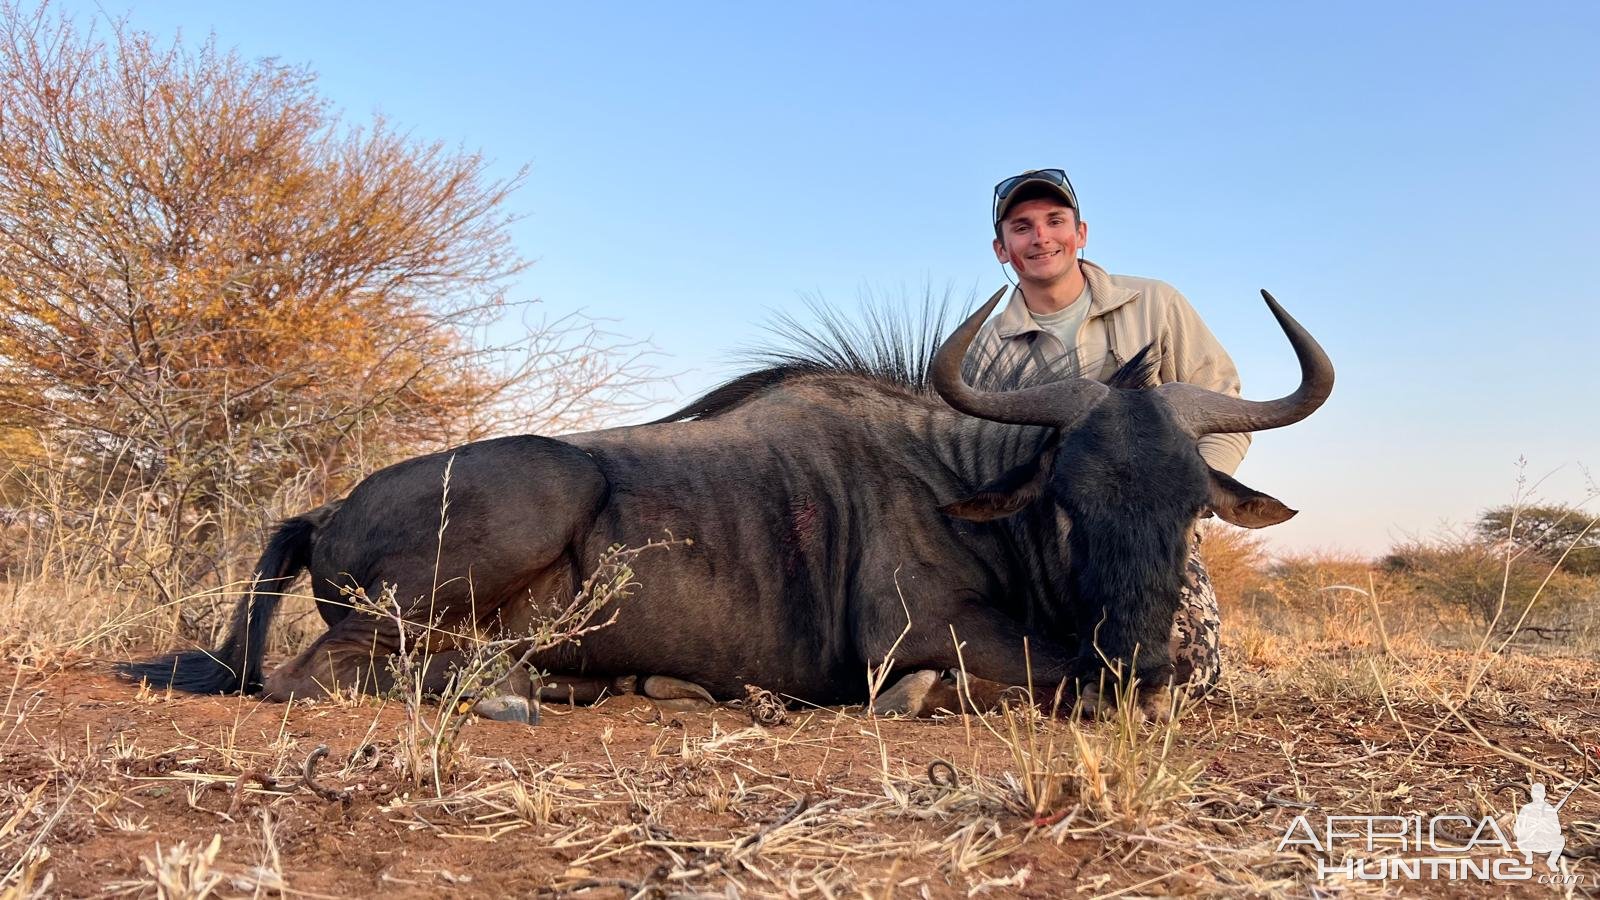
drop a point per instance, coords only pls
(853, 498)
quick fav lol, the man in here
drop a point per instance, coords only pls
(1068, 313)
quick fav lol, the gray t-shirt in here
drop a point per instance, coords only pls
(1064, 324)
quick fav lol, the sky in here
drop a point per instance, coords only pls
(1415, 182)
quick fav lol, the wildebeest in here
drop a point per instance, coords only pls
(824, 505)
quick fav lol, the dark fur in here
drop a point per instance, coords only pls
(812, 490)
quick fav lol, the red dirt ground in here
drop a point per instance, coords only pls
(649, 803)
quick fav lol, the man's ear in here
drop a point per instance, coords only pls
(1010, 492)
(1245, 506)
(1000, 252)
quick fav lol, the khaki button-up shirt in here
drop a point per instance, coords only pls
(1125, 314)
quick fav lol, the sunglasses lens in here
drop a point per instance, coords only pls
(1057, 177)
(1054, 176)
(1004, 188)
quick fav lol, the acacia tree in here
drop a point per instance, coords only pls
(212, 287)
(1551, 531)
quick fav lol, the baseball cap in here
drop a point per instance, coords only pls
(1030, 185)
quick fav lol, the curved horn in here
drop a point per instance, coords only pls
(1202, 412)
(1057, 404)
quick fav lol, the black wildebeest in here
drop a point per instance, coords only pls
(824, 505)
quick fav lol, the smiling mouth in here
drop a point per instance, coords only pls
(1046, 255)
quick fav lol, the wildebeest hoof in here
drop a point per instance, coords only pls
(1151, 706)
(507, 708)
(1100, 701)
(908, 697)
(677, 694)
(1091, 702)
(1159, 706)
(663, 687)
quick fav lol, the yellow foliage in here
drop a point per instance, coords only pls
(213, 291)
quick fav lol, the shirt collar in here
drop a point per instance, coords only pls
(1104, 296)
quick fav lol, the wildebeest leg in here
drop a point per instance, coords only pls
(358, 652)
(992, 649)
(924, 693)
(578, 690)
(509, 699)
(673, 693)
(352, 654)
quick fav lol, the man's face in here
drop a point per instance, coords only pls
(1040, 239)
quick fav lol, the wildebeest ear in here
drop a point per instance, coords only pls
(1246, 506)
(1010, 492)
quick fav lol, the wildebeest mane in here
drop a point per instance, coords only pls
(890, 344)
(1137, 373)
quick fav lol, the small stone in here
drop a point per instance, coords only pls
(507, 708)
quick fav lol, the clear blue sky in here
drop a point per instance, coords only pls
(1416, 182)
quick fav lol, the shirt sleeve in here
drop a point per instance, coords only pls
(1224, 452)
(1198, 358)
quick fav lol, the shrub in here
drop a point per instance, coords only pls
(220, 304)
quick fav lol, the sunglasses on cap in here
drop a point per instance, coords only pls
(1057, 177)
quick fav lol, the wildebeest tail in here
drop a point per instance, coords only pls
(236, 665)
